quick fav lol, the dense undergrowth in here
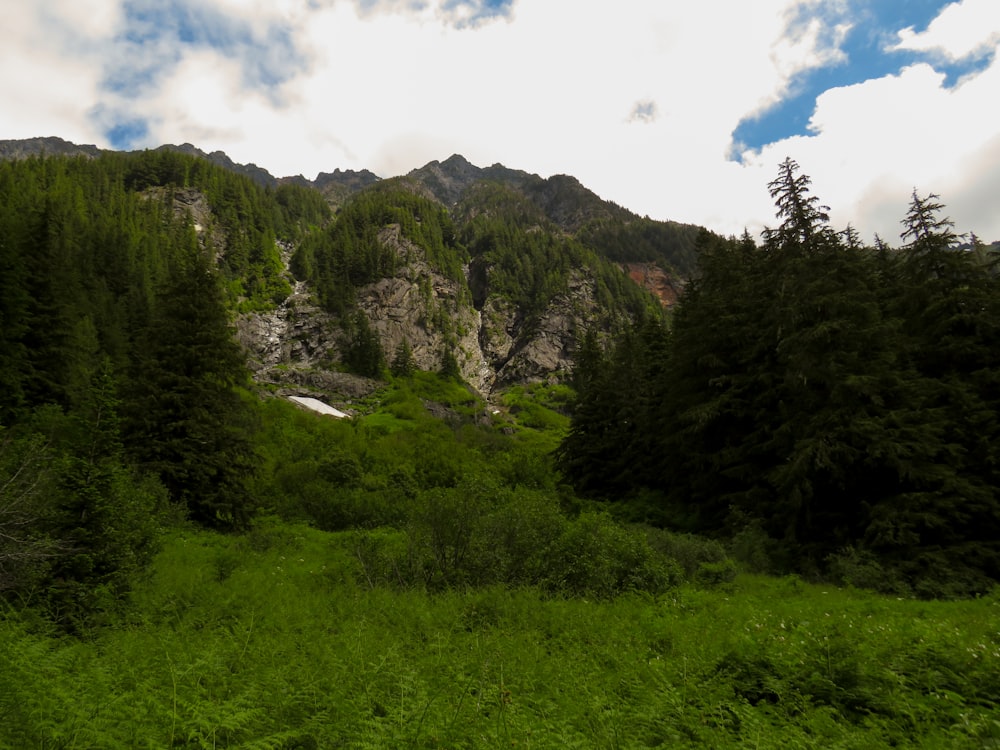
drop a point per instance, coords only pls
(472, 604)
(276, 639)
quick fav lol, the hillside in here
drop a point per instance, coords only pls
(562, 199)
(533, 294)
(835, 398)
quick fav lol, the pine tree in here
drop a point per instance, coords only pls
(188, 423)
(449, 365)
(109, 515)
(941, 528)
(363, 350)
(403, 365)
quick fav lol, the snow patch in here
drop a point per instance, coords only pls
(318, 406)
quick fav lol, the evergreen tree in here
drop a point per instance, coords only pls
(403, 364)
(449, 365)
(583, 452)
(28, 492)
(108, 519)
(788, 394)
(363, 353)
(941, 529)
(610, 450)
(188, 423)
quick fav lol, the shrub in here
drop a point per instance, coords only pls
(597, 557)
(700, 559)
(383, 557)
(443, 529)
(514, 536)
(861, 569)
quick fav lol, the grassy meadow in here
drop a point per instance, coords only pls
(274, 639)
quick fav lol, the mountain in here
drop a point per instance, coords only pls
(258, 174)
(611, 229)
(448, 181)
(50, 146)
(498, 269)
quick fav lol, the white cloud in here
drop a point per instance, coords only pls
(50, 59)
(643, 111)
(962, 29)
(637, 99)
(877, 141)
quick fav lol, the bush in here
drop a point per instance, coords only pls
(444, 528)
(597, 557)
(861, 569)
(514, 537)
(383, 557)
(700, 559)
(752, 548)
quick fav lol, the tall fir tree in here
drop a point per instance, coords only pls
(188, 422)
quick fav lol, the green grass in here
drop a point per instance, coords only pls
(402, 405)
(273, 640)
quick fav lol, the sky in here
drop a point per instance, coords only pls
(675, 110)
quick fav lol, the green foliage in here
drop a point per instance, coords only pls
(606, 450)
(403, 365)
(827, 396)
(187, 422)
(109, 515)
(300, 210)
(449, 367)
(597, 557)
(362, 350)
(28, 487)
(668, 244)
(248, 218)
(276, 639)
(541, 407)
(352, 251)
(700, 559)
(524, 259)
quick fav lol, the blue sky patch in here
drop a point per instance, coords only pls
(875, 27)
(156, 36)
(126, 134)
(481, 10)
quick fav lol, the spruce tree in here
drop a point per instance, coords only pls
(188, 423)
(363, 353)
(403, 364)
(109, 514)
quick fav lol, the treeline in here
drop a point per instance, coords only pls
(119, 373)
(832, 407)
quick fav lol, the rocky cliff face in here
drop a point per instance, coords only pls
(296, 347)
(664, 286)
(50, 146)
(430, 312)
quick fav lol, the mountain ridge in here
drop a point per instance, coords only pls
(562, 198)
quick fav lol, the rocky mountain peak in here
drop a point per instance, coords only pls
(447, 180)
(258, 174)
(348, 178)
(50, 146)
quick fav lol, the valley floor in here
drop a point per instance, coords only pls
(272, 640)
